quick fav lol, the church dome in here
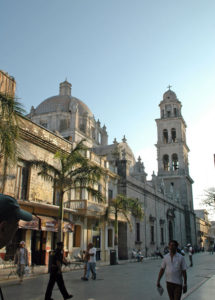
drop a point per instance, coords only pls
(64, 102)
(169, 95)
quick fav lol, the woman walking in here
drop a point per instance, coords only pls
(21, 259)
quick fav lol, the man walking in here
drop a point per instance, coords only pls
(174, 267)
(56, 274)
(91, 264)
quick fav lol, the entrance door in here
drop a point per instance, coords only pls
(38, 247)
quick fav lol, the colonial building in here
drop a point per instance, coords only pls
(7, 84)
(167, 198)
(204, 229)
(83, 220)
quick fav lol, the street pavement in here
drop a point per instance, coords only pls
(127, 281)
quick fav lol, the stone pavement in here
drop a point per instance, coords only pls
(9, 273)
(203, 291)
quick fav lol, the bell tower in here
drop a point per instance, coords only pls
(172, 156)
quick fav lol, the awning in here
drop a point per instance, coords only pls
(45, 223)
(33, 225)
(68, 227)
(48, 224)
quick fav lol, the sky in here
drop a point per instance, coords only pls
(120, 56)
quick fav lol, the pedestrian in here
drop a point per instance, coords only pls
(91, 264)
(21, 260)
(56, 274)
(10, 214)
(85, 259)
(174, 266)
(190, 253)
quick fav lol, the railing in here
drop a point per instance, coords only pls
(87, 205)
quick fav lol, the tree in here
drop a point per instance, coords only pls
(74, 170)
(10, 110)
(209, 198)
(125, 206)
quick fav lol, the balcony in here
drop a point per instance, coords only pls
(87, 207)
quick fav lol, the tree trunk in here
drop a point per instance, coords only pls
(60, 219)
(116, 229)
(4, 175)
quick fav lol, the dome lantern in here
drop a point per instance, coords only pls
(65, 88)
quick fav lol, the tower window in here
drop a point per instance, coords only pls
(173, 135)
(175, 162)
(162, 113)
(165, 136)
(166, 162)
(175, 112)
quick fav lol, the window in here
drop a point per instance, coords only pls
(137, 232)
(175, 112)
(162, 113)
(77, 236)
(110, 238)
(152, 234)
(175, 162)
(162, 235)
(93, 132)
(64, 124)
(165, 136)
(22, 179)
(166, 162)
(173, 135)
(77, 193)
(110, 195)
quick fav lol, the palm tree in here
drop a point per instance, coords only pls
(125, 206)
(10, 110)
(74, 170)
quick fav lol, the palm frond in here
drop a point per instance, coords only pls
(96, 194)
(44, 167)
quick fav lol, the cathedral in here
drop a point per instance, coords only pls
(166, 198)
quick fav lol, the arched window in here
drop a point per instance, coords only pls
(175, 162)
(175, 112)
(165, 136)
(170, 231)
(166, 162)
(173, 135)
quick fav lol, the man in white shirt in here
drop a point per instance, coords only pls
(174, 267)
(91, 264)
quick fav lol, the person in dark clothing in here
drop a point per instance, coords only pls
(56, 274)
(10, 214)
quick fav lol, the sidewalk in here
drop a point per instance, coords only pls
(204, 290)
(9, 274)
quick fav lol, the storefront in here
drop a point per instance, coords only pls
(43, 237)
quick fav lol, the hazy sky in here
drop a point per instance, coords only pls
(120, 56)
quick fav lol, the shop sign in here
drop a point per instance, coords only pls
(33, 225)
(49, 224)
